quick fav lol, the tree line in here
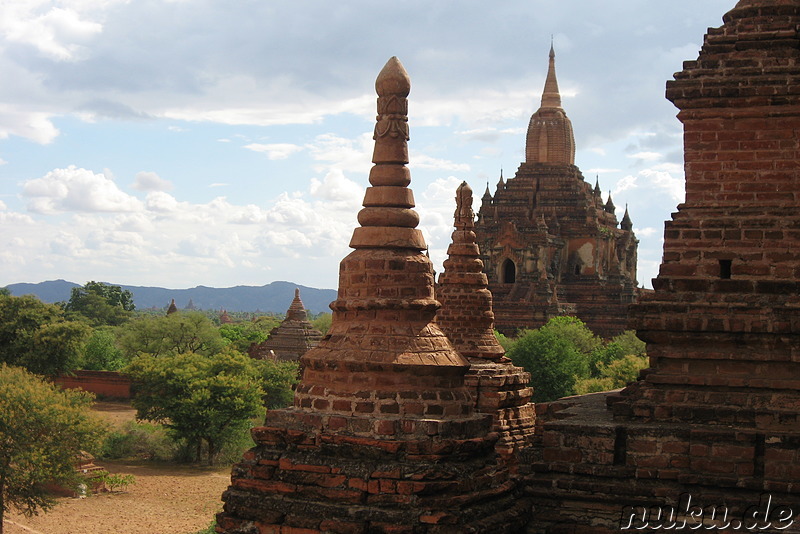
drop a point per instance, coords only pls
(191, 376)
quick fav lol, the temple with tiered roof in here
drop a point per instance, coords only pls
(549, 243)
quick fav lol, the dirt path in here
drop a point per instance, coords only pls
(166, 499)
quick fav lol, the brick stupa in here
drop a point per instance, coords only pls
(715, 418)
(383, 436)
(292, 338)
(499, 388)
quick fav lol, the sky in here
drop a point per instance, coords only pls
(177, 143)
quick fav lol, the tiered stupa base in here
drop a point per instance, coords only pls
(423, 476)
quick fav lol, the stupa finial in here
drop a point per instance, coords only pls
(387, 220)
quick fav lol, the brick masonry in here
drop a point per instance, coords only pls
(384, 435)
(549, 244)
(715, 416)
(292, 338)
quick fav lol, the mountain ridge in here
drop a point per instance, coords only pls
(273, 297)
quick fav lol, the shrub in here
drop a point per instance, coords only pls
(146, 441)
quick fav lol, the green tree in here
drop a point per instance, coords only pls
(322, 322)
(616, 374)
(277, 379)
(169, 335)
(101, 352)
(552, 357)
(624, 344)
(5, 292)
(241, 335)
(37, 336)
(42, 431)
(101, 304)
(200, 399)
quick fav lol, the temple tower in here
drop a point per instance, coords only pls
(723, 326)
(383, 436)
(712, 426)
(549, 244)
(498, 387)
(292, 338)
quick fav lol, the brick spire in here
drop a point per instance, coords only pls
(296, 311)
(383, 436)
(551, 98)
(382, 346)
(550, 139)
(466, 315)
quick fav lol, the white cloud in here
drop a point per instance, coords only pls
(59, 33)
(74, 189)
(33, 125)
(665, 181)
(150, 181)
(341, 153)
(647, 156)
(275, 150)
(423, 161)
(645, 232)
(161, 202)
(335, 187)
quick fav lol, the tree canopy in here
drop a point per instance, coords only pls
(38, 337)
(200, 399)
(564, 358)
(101, 304)
(175, 333)
(42, 430)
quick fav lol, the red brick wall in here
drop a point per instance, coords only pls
(101, 383)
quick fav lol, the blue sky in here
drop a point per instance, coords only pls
(196, 142)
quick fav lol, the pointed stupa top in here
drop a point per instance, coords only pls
(550, 139)
(172, 307)
(296, 311)
(551, 98)
(501, 184)
(387, 220)
(610, 207)
(626, 223)
(466, 314)
(487, 195)
(597, 191)
(383, 339)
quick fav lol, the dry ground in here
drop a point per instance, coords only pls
(166, 499)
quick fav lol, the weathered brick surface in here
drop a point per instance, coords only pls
(292, 338)
(715, 417)
(384, 435)
(498, 388)
(726, 310)
(549, 244)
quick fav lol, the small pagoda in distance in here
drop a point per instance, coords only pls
(292, 338)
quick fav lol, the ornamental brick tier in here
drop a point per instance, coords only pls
(292, 338)
(383, 436)
(716, 416)
(549, 244)
(499, 388)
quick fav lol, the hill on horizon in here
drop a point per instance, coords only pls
(273, 297)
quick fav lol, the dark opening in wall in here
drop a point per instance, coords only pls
(725, 269)
(577, 269)
(509, 272)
